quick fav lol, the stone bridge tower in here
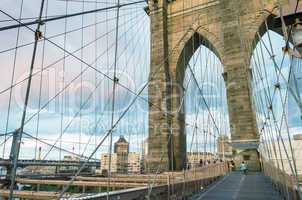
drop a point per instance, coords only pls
(229, 29)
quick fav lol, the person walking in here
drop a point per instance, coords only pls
(233, 167)
(243, 168)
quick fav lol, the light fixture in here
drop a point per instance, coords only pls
(297, 35)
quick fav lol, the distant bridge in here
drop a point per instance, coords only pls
(61, 163)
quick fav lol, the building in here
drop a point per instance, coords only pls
(278, 155)
(121, 149)
(144, 154)
(145, 147)
(105, 163)
(119, 159)
(134, 163)
(121, 146)
(224, 149)
(122, 161)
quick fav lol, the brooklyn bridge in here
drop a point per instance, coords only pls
(151, 99)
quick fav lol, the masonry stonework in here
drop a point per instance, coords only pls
(178, 28)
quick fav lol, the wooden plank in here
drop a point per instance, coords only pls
(79, 183)
(31, 195)
(121, 179)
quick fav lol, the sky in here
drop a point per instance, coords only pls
(60, 91)
(268, 62)
(74, 111)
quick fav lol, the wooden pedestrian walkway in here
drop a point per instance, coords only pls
(253, 186)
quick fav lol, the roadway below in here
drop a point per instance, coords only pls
(235, 186)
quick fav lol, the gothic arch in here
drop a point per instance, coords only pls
(264, 21)
(182, 53)
(188, 44)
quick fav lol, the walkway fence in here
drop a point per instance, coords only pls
(178, 185)
(282, 181)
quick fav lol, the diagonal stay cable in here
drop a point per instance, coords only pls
(267, 114)
(278, 74)
(81, 107)
(66, 86)
(63, 33)
(291, 90)
(199, 103)
(102, 141)
(203, 98)
(28, 18)
(60, 59)
(56, 147)
(85, 103)
(77, 58)
(43, 21)
(279, 136)
(195, 127)
(125, 67)
(277, 69)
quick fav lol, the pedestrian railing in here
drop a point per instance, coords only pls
(178, 186)
(282, 181)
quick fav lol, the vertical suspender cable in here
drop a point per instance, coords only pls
(115, 80)
(63, 79)
(40, 89)
(95, 76)
(15, 150)
(81, 78)
(12, 81)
